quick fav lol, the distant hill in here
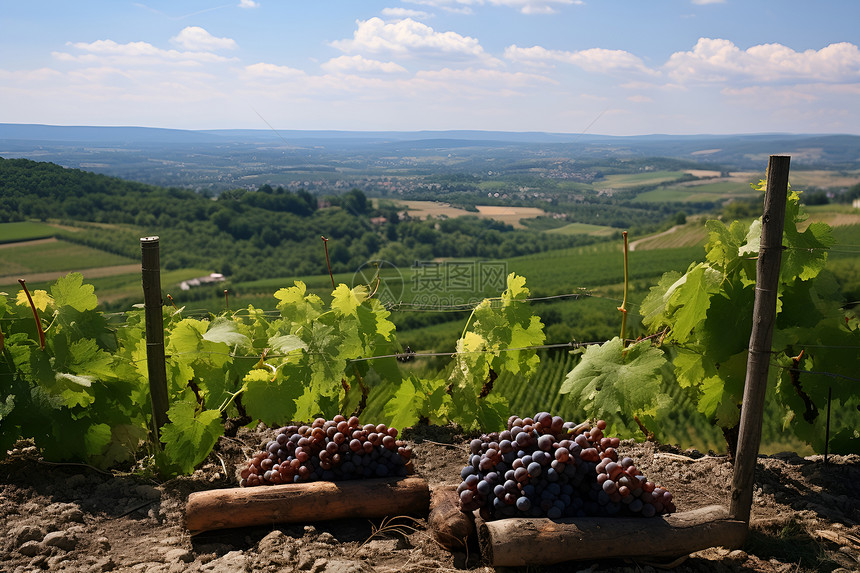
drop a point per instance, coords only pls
(223, 159)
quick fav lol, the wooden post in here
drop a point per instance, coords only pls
(151, 274)
(764, 316)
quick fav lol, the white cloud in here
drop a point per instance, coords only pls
(595, 60)
(717, 60)
(248, 4)
(408, 38)
(404, 13)
(271, 71)
(196, 38)
(134, 53)
(639, 98)
(360, 64)
(524, 6)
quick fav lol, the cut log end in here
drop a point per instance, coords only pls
(451, 528)
(520, 541)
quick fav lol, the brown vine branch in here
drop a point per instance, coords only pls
(810, 412)
(327, 261)
(649, 435)
(488, 385)
(23, 284)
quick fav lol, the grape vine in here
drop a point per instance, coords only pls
(82, 394)
(701, 322)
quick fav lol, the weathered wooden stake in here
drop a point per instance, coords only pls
(151, 274)
(764, 316)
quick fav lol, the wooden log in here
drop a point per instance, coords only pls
(520, 541)
(305, 502)
(451, 528)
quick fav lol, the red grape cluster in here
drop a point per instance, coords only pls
(546, 467)
(328, 450)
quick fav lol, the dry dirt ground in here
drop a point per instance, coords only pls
(806, 517)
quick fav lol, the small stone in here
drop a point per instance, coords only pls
(25, 533)
(342, 566)
(147, 492)
(104, 564)
(61, 539)
(179, 554)
(76, 481)
(310, 530)
(102, 544)
(272, 543)
(229, 563)
(326, 537)
(306, 562)
(738, 555)
(72, 515)
(30, 548)
(54, 562)
(380, 546)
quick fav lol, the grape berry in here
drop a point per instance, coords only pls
(546, 467)
(328, 450)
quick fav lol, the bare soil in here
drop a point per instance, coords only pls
(806, 517)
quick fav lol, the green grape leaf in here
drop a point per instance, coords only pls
(654, 308)
(691, 368)
(346, 301)
(611, 381)
(691, 300)
(70, 290)
(97, 438)
(806, 252)
(6, 407)
(722, 393)
(413, 399)
(287, 343)
(185, 337)
(41, 299)
(125, 441)
(298, 306)
(493, 413)
(723, 243)
(271, 399)
(87, 358)
(190, 436)
(406, 404)
(225, 331)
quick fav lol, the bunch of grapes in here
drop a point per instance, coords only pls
(328, 450)
(546, 467)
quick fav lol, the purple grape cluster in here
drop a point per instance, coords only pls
(328, 450)
(546, 467)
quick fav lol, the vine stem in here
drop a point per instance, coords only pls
(327, 261)
(623, 307)
(226, 301)
(23, 284)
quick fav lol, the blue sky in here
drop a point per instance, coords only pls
(617, 67)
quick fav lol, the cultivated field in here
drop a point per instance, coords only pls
(509, 215)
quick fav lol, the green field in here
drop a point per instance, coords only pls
(55, 256)
(25, 231)
(621, 181)
(716, 191)
(585, 229)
